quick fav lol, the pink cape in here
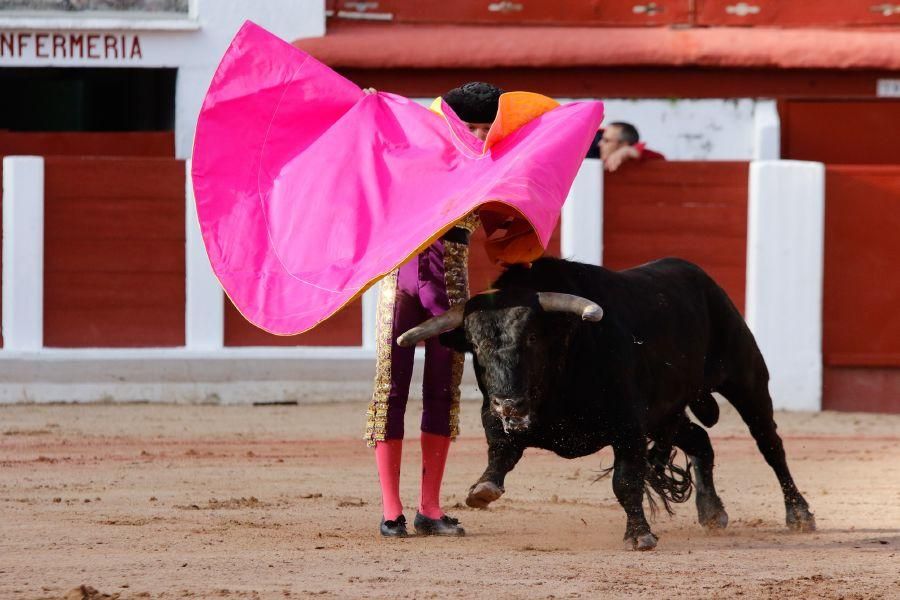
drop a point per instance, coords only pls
(308, 190)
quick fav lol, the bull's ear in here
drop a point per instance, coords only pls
(455, 339)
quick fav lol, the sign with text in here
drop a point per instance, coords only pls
(70, 45)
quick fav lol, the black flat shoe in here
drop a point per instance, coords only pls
(396, 528)
(443, 526)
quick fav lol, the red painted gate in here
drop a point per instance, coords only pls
(861, 330)
(692, 210)
(114, 238)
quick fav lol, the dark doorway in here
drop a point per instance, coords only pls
(90, 99)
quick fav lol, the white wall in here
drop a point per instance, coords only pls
(193, 45)
(715, 129)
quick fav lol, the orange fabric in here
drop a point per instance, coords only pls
(515, 110)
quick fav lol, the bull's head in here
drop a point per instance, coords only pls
(514, 342)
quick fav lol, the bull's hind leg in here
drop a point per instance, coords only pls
(755, 407)
(502, 458)
(628, 485)
(694, 440)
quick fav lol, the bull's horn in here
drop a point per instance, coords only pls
(451, 319)
(556, 302)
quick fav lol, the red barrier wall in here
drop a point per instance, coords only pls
(855, 132)
(692, 210)
(55, 143)
(343, 329)
(861, 329)
(114, 240)
(62, 143)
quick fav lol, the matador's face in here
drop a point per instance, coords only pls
(480, 130)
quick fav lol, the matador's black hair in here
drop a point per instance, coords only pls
(474, 102)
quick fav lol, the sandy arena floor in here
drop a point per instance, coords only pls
(149, 501)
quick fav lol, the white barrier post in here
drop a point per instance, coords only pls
(370, 316)
(766, 131)
(785, 264)
(581, 228)
(23, 253)
(204, 300)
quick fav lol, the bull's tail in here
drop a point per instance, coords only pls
(666, 480)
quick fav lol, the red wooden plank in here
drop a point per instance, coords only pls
(115, 327)
(530, 12)
(778, 13)
(695, 211)
(687, 217)
(87, 143)
(99, 255)
(343, 329)
(861, 389)
(105, 290)
(114, 252)
(153, 178)
(854, 132)
(862, 281)
(638, 13)
(114, 219)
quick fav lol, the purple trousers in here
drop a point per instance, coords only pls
(424, 287)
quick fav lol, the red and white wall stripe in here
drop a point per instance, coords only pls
(151, 321)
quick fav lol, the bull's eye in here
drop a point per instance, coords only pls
(531, 339)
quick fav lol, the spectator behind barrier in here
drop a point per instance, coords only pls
(618, 143)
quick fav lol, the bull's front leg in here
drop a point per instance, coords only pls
(628, 485)
(502, 458)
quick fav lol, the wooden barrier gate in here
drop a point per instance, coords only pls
(861, 307)
(114, 266)
(692, 210)
(83, 144)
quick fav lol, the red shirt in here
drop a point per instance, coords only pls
(645, 153)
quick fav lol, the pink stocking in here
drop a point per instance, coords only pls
(434, 457)
(387, 457)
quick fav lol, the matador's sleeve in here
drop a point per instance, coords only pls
(470, 223)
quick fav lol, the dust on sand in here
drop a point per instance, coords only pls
(164, 501)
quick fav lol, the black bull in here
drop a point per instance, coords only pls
(573, 357)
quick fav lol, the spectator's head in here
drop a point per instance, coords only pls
(617, 135)
(476, 104)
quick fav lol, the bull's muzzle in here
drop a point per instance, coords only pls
(512, 411)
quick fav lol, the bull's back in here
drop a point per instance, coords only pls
(663, 297)
(718, 328)
(682, 327)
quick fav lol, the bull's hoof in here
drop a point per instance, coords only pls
(483, 493)
(800, 519)
(712, 515)
(715, 521)
(644, 542)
